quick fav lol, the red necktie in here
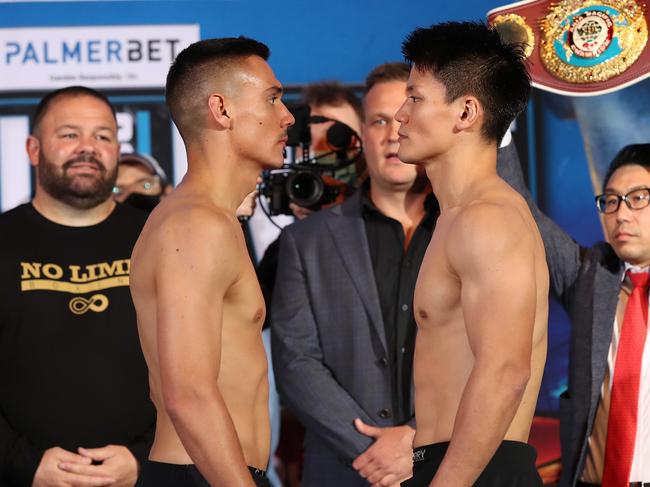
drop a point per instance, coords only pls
(621, 426)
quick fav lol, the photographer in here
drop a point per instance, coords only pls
(324, 144)
(141, 181)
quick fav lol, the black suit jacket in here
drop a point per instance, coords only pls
(329, 344)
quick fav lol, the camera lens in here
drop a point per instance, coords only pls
(339, 136)
(305, 188)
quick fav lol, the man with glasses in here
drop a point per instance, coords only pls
(605, 413)
(141, 181)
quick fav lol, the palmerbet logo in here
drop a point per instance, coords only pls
(21, 52)
(96, 56)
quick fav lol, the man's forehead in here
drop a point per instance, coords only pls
(413, 85)
(629, 176)
(332, 111)
(255, 71)
(133, 170)
(74, 110)
(421, 77)
(382, 92)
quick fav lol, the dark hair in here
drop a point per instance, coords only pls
(69, 91)
(190, 66)
(470, 58)
(385, 73)
(630, 154)
(331, 93)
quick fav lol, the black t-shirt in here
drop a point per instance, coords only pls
(71, 368)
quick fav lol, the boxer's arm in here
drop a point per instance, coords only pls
(305, 384)
(492, 251)
(197, 265)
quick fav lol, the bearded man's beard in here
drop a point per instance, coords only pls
(81, 191)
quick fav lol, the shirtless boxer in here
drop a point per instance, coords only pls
(481, 297)
(200, 309)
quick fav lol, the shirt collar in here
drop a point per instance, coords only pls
(634, 269)
(368, 208)
(626, 283)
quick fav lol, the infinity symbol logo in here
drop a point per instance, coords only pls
(96, 303)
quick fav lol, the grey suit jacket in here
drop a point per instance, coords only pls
(587, 282)
(329, 344)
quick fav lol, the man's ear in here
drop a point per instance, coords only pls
(218, 111)
(33, 146)
(471, 113)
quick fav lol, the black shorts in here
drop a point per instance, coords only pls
(158, 474)
(513, 465)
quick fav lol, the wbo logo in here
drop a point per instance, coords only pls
(591, 33)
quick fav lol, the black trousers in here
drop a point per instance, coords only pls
(158, 474)
(513, 465)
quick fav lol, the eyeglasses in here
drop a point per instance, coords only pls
(150, 185)
(635, 200)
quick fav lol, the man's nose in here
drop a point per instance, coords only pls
(623, 213)
(393, 128)
(88, 144)
(288, 119)
(401, 115)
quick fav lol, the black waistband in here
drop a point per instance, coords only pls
(257, 472)
(171, 468)
(508, 450)
(580, 483)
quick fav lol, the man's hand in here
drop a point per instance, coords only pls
(117, 463)
(300, 212)
(51, 474)
(247, 207)
(389, 460)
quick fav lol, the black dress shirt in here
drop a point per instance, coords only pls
(396, 270)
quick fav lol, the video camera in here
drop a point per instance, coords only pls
(305, 179)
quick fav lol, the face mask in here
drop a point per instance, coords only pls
(143, 202)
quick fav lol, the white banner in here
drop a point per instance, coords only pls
(133, 56)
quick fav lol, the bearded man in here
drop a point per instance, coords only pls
(74, 398)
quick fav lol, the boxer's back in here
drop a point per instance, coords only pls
(210, 237)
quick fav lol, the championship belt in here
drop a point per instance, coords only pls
(579, 47)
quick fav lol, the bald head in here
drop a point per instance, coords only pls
(203, 68)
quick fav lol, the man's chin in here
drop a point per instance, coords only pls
(274, 164)
(83, 201)
(87, 189)
(627, 254)
(80, 195)
(407, 158)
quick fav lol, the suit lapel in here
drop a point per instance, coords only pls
(349, 235)
(607, 285)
